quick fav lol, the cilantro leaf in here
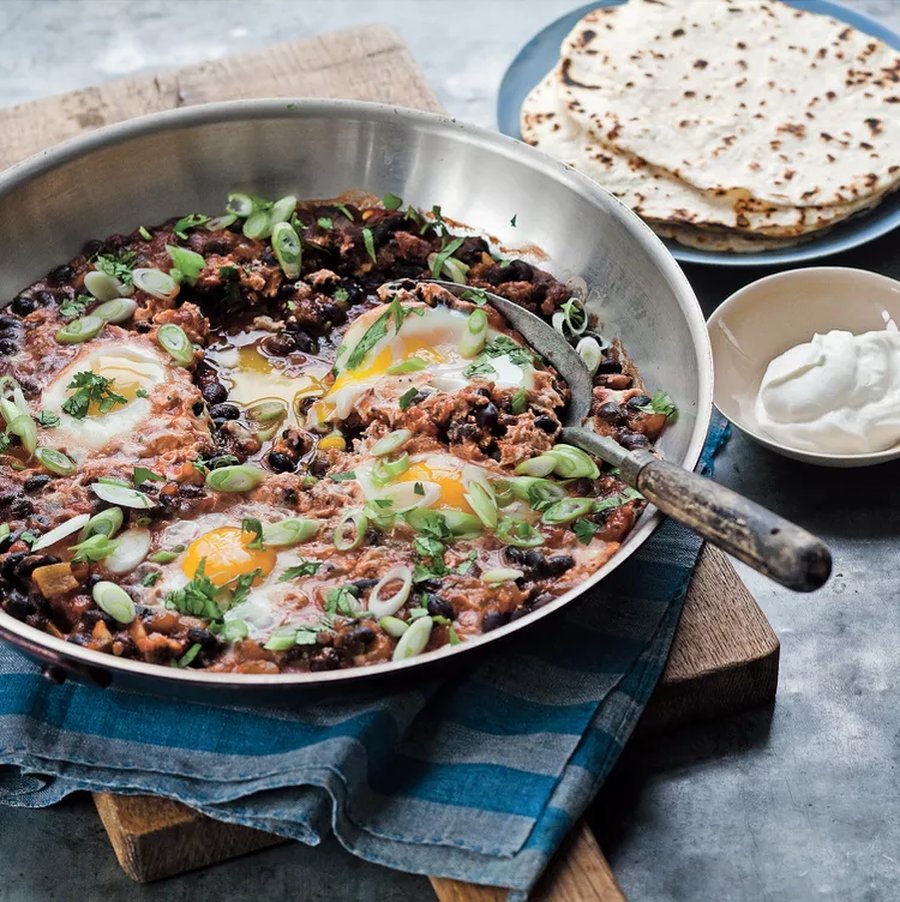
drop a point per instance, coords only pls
(91, 388)
(240, 587)
(392, 202)
(660, 403)
(476, 296)
(306, 568)
(325, 222)
(519, 401)
(342, 600)
(151, 579)
(197, 598)
(191, 221)
(585, 530)
(72, 307)
(369, 242)
(407, 398)
(443, 255)
(254, 527)
(48, 419)
(140, 475)
(118, 266)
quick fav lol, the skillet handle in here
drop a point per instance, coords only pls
(768, 543)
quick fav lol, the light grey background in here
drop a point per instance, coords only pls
(797, 802)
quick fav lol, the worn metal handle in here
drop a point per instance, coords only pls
(765, 541)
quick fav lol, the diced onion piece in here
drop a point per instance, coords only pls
(350, 532)
(589, 350)
(82, 329)
(540, 466)
(155, 282)
(287, 248)
(572, 462)
(414, 640)
(471, 342)
(289, 532)
(122, 496)
(386, 607)
(482, 502)
(390, 443)
(174, 340)
(114, 600)
(55, 461)
(393, 626)
(107, 523)
(567, 510)
(60, 532)
(502, 575)
(118, 310)
(237, 478)
(105, 287)
(131, 550)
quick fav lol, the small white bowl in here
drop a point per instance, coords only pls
(768, 316)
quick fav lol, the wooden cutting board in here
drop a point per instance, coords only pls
(724, 657)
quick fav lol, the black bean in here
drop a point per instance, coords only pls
(483, 392)
(357, 638)
(59, 275)
(281, 463)
(608, 367)
(373, 536)
(546, 423)
(12, 323)
(638, 401)
(218, 422)
(16, 505)
(142, 327)
(492, 620)
(224, 412)
(557, 564)
(8, 347)
(31, 562)
(34, 483)
(471, 249)
(382, 232)
(438, 607)
(429, 585)
(528, 558)
(92, 248)
(18, 604)
(319, 465)
(197, 635)
(279, 345)
(9, 540)
(326, 659)
(633, 440)
(45, 298)
(93, 616)
(363, 584)
(486, 416)
(515, 271)
(305, 343)
(333, 313)
(198, 408)
(214, 393)
(610, 412)
(23, 305)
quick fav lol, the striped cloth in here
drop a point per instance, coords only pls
(478, 778)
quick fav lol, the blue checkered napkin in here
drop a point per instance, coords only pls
(478, 779)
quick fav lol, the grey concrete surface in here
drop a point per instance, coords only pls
(796, 802)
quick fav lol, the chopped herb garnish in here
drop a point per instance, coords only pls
(29, 538)
(240, 588)
(519, 401)
(142, 393)
(614, 501)
(585, 530)
(144, 233)
(370, 338)
(480, 368)
(342, 295)
(342, 600)
(306, 636)
(660, 403)
(197, 598)
(191, 221)
(392, 202)
(94, 548)
(346, 211)
(325, 222)
(72, 307)
(142, 475)
(91, 388)
(453, 638)
(438, 224)
(408, 397)
(476, 296)
(342, 477)
(306, 568)
(418, 488)
(48, 419)
(188, 656)
(463, 568)
(512, 221)
(444, 254)
(254, 527)
(369, 242)
(151, 579)
(502, 344)
(117, 265)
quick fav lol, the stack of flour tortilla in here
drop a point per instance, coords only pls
(736, 125)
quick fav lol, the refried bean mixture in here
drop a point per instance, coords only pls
(226, 443)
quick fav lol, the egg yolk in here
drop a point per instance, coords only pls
(448, 479)
(127, 375)
(227, 556)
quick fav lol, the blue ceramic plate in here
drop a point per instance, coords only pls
(540, 54)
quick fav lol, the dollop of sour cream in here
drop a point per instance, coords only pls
(836, 394)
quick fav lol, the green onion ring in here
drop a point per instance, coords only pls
(107, 523)
(288, 532)
(155, 282)
(484, 505)
(572, 462)
(390, 443)
(282, 208)
(393, 626)
(588, 349)
(359, 523)
(410, 365)
(287, 248)
(386, 470)
(456, 270)
(414, 639)
(237, 478)
(386, 607)
(124, 497)
(241, 204)
(540, 466)
(282, 639)
(567, 510)
(114, 600)
(471, 342)
(118, 310)
(519, 533)
(502, 575)
(217, 223)
(64, 530)
(82, 329)
(55, 461)
(174, 339)
(105, 287)
(258, 224)
(461, 524)
(24, 427)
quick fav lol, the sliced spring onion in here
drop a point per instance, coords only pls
(567, 510)
(540, 466)
(471, 342)
(288, 532)
(351, 530)
(238, 478)
(24, 427)
(55, 461)
(501, 575)
(438, 261)
(267, 417)
(105, 287)
(380, 515)
(155, 282)
(410, 365)
(118, 310)
(282, 208)
(386, 607)
(519, 533)
(572, 462)
(571, 318)
(482, 501)
(189, 264)
(113, 480)
(60, 532)
(456, 270)
(124, 497)
(462, 524)
(519, 401)
(405, 498)
(114, 600)
(386, 470)
(78, 330)
(393, 626)
(287, 247)
(503, 492)
(537, 492)
(235, 630)
(241, 204)
(390, 443)
(166, 555)
(130, 551)
(217, 223)
(414, 639)
(107, 523)
(589, 350)
(258, 224)
(282, 639)
(174, 339)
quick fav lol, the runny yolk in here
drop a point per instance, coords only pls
(227, 556)
(449, 480)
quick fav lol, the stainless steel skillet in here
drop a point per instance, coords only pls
(148, 169)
